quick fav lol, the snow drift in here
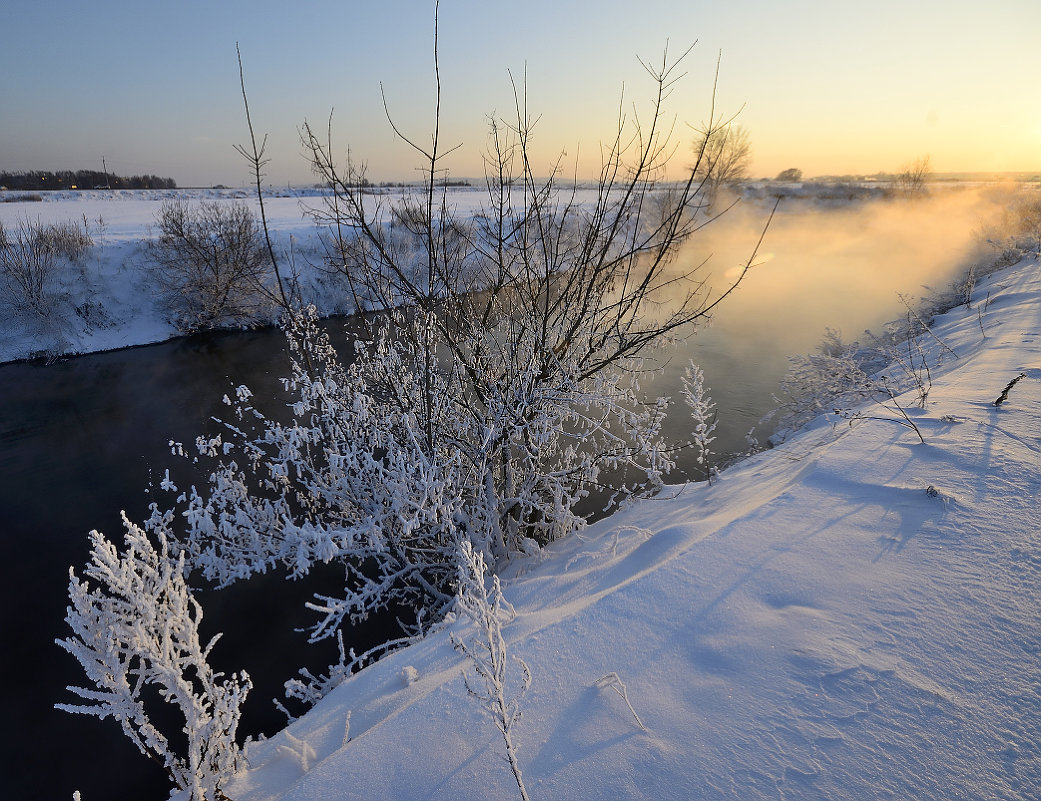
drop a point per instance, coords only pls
(851, 615)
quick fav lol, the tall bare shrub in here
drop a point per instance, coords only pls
(211, 264)
(31, 261)
(497, 383)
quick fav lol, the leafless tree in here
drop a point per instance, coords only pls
(912, 177)
(723, 153)
(211, 265)
(576, 276)
(541, 303)
(497, 382)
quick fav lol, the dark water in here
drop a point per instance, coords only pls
(79, 441)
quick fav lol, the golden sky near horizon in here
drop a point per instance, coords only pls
(826, 87)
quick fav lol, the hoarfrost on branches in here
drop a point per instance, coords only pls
(135, 630)
(702, 409)
(493, 385)
(482, 603)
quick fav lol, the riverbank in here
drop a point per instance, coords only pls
(108, 298)
(853, 614)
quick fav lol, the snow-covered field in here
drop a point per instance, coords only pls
(109, 299)
(853, 615)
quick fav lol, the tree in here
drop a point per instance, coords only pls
(494, 386)
(497, 384)
(912, 177)
(723, 153)
(791, 175)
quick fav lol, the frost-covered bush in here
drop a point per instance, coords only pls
(819, 382)
(361, 475)
(135, 631)
(497, 383)
(31, 260)
(211, 265)
(839, 379)
(702, 410)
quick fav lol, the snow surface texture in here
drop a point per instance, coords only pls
(853, 615)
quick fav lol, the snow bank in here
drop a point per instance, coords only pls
(108, 299)
(852, 615)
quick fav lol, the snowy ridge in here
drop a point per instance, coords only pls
(853, 615)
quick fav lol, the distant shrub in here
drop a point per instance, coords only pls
(212, 267)
(66, 239)
(912, 178)
(22, 199)
(723, 153)
(792, 174)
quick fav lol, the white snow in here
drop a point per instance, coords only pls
(854, 614)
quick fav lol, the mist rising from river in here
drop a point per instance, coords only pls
(841, 267)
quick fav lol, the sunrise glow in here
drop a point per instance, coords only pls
(828, 88)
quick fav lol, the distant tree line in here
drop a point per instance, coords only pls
(81, 179)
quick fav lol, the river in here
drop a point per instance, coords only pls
(82, 439)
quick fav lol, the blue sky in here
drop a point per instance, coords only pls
(828, 87)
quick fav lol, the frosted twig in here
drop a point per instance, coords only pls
(611, 680)
(487, 652)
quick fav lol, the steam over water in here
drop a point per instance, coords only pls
(842, 268)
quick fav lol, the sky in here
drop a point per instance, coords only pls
(825, 86)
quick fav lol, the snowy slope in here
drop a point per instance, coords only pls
(854, 615)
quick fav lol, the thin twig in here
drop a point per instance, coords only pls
(611, 680)
(256, 159)
(1004, 393)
